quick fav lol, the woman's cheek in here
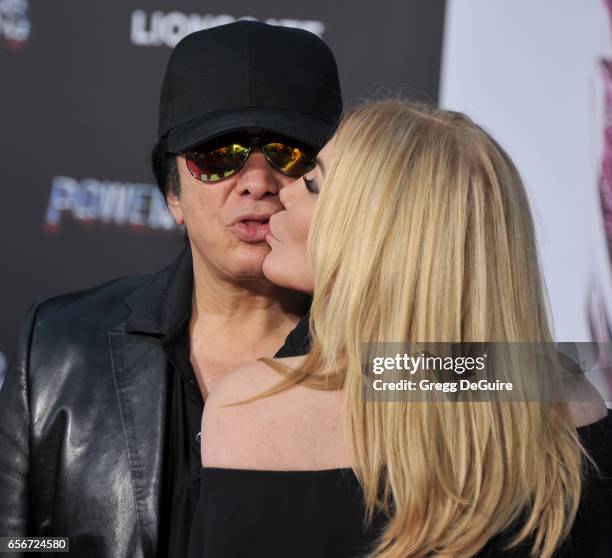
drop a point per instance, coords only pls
(274, 268)
(303, 221)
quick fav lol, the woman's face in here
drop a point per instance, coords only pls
(287, 263)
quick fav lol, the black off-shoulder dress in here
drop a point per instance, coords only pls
(318, 514)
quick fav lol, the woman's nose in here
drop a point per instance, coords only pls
(287, 193)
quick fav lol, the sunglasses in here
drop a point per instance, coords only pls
(224, 156)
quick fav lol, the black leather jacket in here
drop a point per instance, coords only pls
(83, 414)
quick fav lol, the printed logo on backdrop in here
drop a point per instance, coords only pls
(14, 23)
(167, 29)
(92, 202)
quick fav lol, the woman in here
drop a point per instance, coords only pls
(420, 231)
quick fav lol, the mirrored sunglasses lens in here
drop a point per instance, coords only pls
(290, 159)
(211, 165)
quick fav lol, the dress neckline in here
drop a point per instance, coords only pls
(278, 472)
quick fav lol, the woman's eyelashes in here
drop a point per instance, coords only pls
(311, 185)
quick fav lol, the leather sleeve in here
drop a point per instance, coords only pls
(15, 436)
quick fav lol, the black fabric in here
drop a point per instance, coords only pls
(82, 425)
(305, 514)
(279, 514)
(182, 456)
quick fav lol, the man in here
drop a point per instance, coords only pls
(99, 417)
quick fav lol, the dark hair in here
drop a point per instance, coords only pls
(165, 169)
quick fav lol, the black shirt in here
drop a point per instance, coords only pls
(181, 484)
(319, 514)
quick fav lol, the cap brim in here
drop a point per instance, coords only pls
(299, 126)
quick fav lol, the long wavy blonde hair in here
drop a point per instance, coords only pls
(423, 232)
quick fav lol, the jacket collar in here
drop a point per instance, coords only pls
(163, 302)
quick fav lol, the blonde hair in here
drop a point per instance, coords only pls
(423, 233)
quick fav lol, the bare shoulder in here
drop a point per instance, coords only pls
(272, 432)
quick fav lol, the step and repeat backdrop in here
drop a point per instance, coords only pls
(79, 91)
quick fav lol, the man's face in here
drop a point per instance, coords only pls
(210, 212)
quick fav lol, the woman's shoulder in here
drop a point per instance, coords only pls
(297, 428)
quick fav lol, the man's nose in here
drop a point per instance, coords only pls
(257, 177)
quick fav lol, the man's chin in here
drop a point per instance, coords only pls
(249, 262)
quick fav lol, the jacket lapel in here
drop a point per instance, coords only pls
(141, 374)
(141, 377)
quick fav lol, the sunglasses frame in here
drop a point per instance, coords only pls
(255, 141)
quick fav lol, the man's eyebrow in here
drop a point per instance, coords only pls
(319, 162)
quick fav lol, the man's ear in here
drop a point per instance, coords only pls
(174, 205)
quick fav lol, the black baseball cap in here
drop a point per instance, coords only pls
(249, 74)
